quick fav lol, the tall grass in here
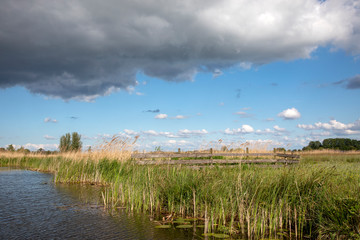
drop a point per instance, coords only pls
(317, 199)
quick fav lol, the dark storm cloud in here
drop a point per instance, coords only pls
(350, 83)
(85, 49)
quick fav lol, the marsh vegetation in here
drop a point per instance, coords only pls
(319, 198)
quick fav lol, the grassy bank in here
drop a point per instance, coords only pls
(318, 198)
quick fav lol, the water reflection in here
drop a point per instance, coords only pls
(32, 207)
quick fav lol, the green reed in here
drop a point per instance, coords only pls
(314, 199)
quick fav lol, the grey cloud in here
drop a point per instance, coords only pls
(47, 137)
(244, 114)
(350, 83)
(153, 111)
(85, 49)
(217, 73)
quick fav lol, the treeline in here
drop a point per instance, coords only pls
(68, 143)
(10, 148)
(343, 144)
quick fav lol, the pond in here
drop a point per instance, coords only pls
(33, 207)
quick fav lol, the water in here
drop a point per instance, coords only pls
(33, 207)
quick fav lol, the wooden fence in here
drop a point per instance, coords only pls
(203, 158)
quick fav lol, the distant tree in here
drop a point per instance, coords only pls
(40, 150)
(10, 148)
(315, 145)
(343, 144)
(76, 143)
(20, 149)
(158, 149)
(23, 150)
(70, 142)
(279, 150)
(65, 143)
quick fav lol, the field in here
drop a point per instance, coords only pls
(318, 198)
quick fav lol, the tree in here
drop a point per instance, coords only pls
(10, 148)
(23, 150)
(76, 143)
(314, 145)
(70, 142)
(65, 143)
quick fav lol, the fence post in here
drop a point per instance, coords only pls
(179, 150)
(211, 153)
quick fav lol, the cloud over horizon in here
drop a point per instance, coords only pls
(86, 49)
(333, 126)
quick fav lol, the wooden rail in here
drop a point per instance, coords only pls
(287, 156)
(215, 161)
(176, 158)
(194, 155)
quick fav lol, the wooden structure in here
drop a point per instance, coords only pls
(204, 158)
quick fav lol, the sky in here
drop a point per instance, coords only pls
(179, 74)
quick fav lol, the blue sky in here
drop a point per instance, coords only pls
(182, 91)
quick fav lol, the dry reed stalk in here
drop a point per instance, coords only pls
(295, 220)
(223, 212)
(194, 199)
(289, 213)
(118, 148)
(248, 222)
(329, 152)
(206, 220)
(20, 155)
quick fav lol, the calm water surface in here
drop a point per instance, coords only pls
(33, 207)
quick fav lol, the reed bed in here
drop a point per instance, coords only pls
(316, 199)
(322, 201)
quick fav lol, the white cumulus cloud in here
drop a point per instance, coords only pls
(50, 120)
(180, 117)
(130, 132)
(334, 126)
(279, 129)
(161, 116)
(34, 147)
(243, 130)
(188, 133)
(289, 114)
